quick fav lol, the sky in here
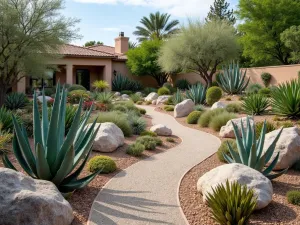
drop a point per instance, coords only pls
(102, 20)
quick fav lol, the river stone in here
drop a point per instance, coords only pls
(152, 96)
(288, 146)
(161, 130)
(162, 99)
(244, 175)
(184, 108)
(108, 138)
(227, 130)
(28, 201)
(47, 98)
(218, 105)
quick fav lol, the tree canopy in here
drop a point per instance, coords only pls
(201, 48)
(92, 43)
(262, 24)
(31, 32)
(220, 11)
(156, 26)
(142, 61)
(291, 39)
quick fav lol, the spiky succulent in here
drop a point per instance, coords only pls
(233, 80)
(177, 97)
(231, 204)
(55, 157)
(255, 104)
(197, 93)
(250, 151)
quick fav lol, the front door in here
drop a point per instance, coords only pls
(83, 78)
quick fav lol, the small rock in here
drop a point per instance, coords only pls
(47, 98)
(28, 201)
(139, 93)
(244, 175)
(161, 130)
(152, 96)
(184, 108)
(227, 131)
(218, 105)
(162, 99)
(125, 96)
(117, 94)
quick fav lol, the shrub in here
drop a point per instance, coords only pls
(163, 91)
(198, 108)
(193, 117)
(137, 124)
(75, 87)
(197, 93)
(169, 101)
(75, 96)
(100, 85)
(49, 92)
(126, 92)
(223, 149)
(253, 88)
(234, 107)
(148, 102)
(103, 97)
(266, 78)
(149, 90)
(118, 118)
(293, 197)
(206, 117)
(170, 87)
(255, 104)
(129, 106)
(286, 124)
(135, 97)
(103, 163)
(169, 139)
(169, 108)
(265, 91)
(231, 203)
(15, 101)
(27, 122)
(148, 133)
(6, 119)
(120, 108)
(148, 141)
(139, 102)
(135, 149)
(177, 97)
(213, 95)
(259, 125)
(220, 120)
(5, 138)
(142, 111)
(182, 84)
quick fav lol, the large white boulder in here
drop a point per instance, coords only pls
(28, 201)
(218, 105)
(244, 175)
(108, 138)
(227, 131)
(184, 108)
(152, 96)
(162, 99)
(47, 98)
(161, 130)
(288, 146)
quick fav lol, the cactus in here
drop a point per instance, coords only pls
(250, 150)
(55, 156)
(197, 93)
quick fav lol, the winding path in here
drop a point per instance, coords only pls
(147, 191)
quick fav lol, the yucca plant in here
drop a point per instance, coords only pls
(231, 204)
(55, 157)
(233, 80)
(255, 104)
(103, 97)
(177, 97)
(286, 99)
(15, 101)
(197, 93)
(250, 151)
(100, 85)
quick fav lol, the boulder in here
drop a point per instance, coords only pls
(153, 102)
(227, 130)
(218, 105)
(125, 96)
(108, 138)
(139, 93)
(184, 108)
(152, 96)
(47, 98)
(161, 130)
(28, 201)
(288, 146)
(117, 94)
(244, 175)
(162, 99)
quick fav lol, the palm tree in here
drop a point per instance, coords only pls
(156, 26)
(132, 45)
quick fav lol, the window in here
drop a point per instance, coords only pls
(48, 81)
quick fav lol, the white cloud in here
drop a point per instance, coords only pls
(180, 8)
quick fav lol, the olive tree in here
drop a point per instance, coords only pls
(31, 32)
(200, 48)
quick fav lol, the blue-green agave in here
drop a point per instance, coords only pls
(250, 150)
(55, 157)
(177, 97)
(233, 80)
(197, 93)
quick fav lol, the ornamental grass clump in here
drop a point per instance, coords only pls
(293, 197)
(135, 149)
(55, 157)
(149, 142)
(231, 203)
(220, 120)
(207, 116)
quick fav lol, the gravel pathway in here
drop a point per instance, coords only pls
(147, 192)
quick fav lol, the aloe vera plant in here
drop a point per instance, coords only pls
(233, 80)
(250, 151)
(197, 93)
(55, 157)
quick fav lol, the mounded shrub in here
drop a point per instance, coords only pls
(266, 78)
(265, 91)
(142, 111)
(169, 139)
(213, 95)
(198, 108)
(148, 133)
(149, 142)
(75, 87)
(75, 96)
(138, 124)
(135, 149)
(253, 88)
(234, 107)
(169, 108)
(193, 117)
(220, 120)
(206, 117)
(135, 97)
(223, 149)
(293, 197)
(170, 87)
(105, 163)
(139, 102)
(163, 91)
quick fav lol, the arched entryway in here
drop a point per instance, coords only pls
(83, 78)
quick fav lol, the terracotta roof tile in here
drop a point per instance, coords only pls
(108, 49)
(73, 50)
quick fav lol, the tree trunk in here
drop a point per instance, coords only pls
(3, 91)
(161, 79)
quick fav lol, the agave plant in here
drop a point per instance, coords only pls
(197, 93)
(177, 97)
(250, 151)
(121, 83)
(55, 157)
(233, 80)
(286, 99)
(255, 104)
(15, 100)
(231, 204)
